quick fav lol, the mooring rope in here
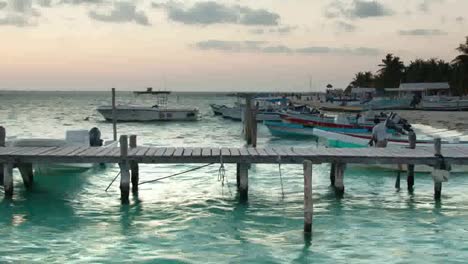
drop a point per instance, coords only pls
(222, 174)
(281, 177)
(176, 174)
(113, 181)
(221, 171)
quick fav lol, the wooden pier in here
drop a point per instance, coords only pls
(128, 158)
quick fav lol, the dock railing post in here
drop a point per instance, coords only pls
(438, 153)
(410, 167)
(134, 165)
(2, 144)
(124, 170)
(308, 202)
(114, 121)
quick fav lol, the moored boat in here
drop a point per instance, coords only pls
(74, 139)
(157, 112)
(341, 140)
(142, 113)
(440, 103)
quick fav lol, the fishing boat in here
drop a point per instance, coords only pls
(441, 103)
(283, 129)
(385, 103)
(345, 140)
(365, 120)
(73, 138)
(267, 109)
(217, 109)
(157, 112)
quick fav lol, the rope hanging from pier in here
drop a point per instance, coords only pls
(110, 184)
(176, 174)
(221, 171)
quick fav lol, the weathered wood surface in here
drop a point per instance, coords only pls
(308, 203)
(421, 155)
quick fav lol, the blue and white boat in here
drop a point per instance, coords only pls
(283, 129)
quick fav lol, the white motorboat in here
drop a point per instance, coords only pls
(142, 113)
(76, 138)
(441, 103)
(158, 112)
(340, 140)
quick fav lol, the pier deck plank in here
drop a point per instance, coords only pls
(420, 155)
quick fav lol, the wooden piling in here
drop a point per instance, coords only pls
(238, 175)
(254, 127)
(8, 179)
(134, 166)
(2, 144)
(114, 121)
(410, 167)
(243, 181)
(26, 170)
(339, 178)
(124, 170)
(308, 202)
(438, 152)
(332, 173)
(248, 119)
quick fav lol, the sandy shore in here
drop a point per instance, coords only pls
(449, 120)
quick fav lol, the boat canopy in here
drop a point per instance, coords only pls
(419, 87)
(271, 99)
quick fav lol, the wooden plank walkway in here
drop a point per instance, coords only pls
(271, 155)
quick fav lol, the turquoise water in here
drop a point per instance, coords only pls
(192, 218)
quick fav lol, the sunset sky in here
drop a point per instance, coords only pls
(216, 45)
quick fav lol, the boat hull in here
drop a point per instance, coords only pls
(142, 114)
(281, 129)
(235, 113)
(455, 105)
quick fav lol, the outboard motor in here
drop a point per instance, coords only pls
(95, 137)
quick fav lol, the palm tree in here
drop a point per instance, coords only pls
(391, 72)
(363, 79)
(461, 68)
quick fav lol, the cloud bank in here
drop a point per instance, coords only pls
(266, 47)
(210, 12)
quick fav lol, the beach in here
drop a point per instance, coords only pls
(456, 120)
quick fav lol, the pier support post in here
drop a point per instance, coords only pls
(114, 121)
(238, 175)
(26, 170)
(243, 182)
(410, 167)
(250, 122)
(308, 202)
(2, 144)
(124, 170)
(134, 166)
(8, 179)
(332, 173)
(339, 178)
(438, 153)
(254, 127)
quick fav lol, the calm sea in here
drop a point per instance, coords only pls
(193, 218)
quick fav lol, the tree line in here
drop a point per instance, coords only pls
(393, 71)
